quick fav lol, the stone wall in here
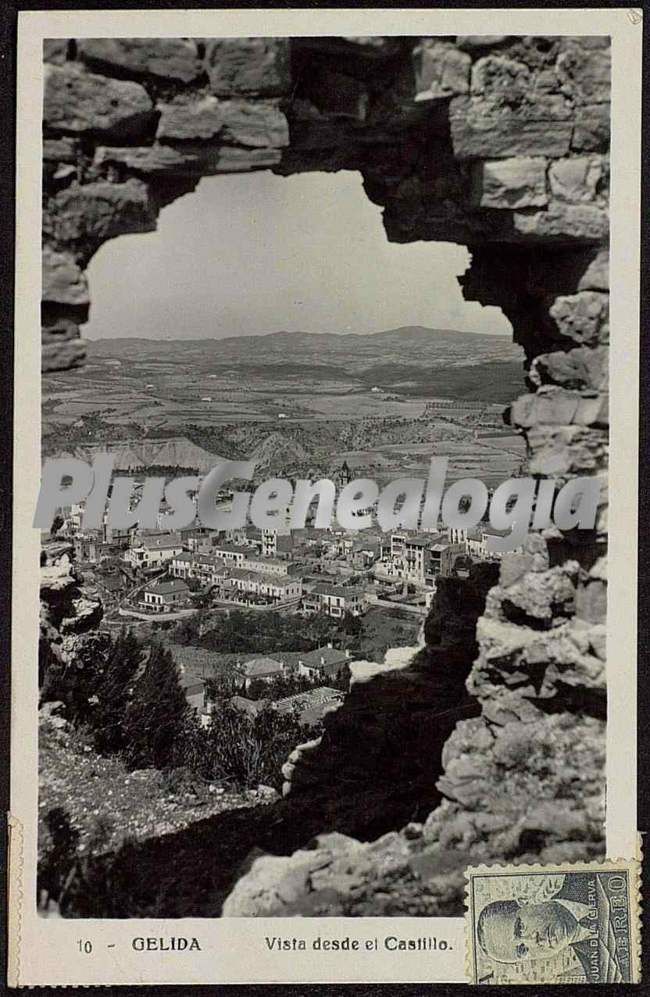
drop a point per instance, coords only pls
(495, 142)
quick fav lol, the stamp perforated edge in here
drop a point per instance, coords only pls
(16, 898)
(632, 866)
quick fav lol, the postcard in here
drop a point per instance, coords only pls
(325, 518)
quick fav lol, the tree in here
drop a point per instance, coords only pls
(114, 693)
(342, 680)
(352, 625)
(157, 715)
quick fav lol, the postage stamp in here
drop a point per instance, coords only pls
(553, 924)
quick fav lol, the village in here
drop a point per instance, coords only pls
(157, 580)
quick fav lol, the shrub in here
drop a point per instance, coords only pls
(242, 749)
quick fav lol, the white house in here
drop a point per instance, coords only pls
(154, 551)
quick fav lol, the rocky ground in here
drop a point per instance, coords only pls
(107, 805)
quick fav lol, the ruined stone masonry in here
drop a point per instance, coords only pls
(498, 143)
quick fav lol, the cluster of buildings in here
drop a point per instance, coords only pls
(318, 667)
(321, 664)
(331, 571)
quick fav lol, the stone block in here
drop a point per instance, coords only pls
(87, 215)
(548, 406)
(164, 58)
(560, 451)
(510, 183)
(230, 159)
(579, 368)
(593, 410)
(584, 74)
(559, 406)
(582, 223)
(371, 48)
(77, 102)
(587, 41)
(513, 566)
(150, 160)
(59, 150)
(596, 276)
(481, 130)
(59, 331)
(440, 70)
(248, 66)
(254, 124)
(198, 117)
(591, 601)
(592, 129)
(582, 317)
(63, 355)
(576, 179)
(501, 78)
(63, 282)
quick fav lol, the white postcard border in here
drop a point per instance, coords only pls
(45, 951)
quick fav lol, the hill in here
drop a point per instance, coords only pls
(278, 453)
(138, 455)
(435, 348)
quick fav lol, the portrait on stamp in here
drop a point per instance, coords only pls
(553, 927)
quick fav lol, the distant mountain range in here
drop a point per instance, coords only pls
(406, 345)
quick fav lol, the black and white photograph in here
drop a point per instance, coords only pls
(324, 454)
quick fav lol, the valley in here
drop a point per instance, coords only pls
(302, 404)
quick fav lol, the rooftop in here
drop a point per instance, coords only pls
(340, 591)
(259, 667)
(324, 656)
(262, 577)
(164, 541)
(167, 586)
(233, 548)
(250, 706)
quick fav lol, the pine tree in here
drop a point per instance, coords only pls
(157, 714)
(114, 693)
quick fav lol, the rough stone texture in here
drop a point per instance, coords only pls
(84, 103)
(394, 721)
(583, 317)
(495, 142)
(441, 70)
(255, 66)
(483, 140)
(68, 619)
(237, 122)
(577, 178)
(63, 281)
(510, 183)
(165, 58)
(83, 217)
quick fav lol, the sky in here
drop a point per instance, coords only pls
(249, 254)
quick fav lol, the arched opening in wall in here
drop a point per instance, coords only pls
(269, 318)
(272, 313)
